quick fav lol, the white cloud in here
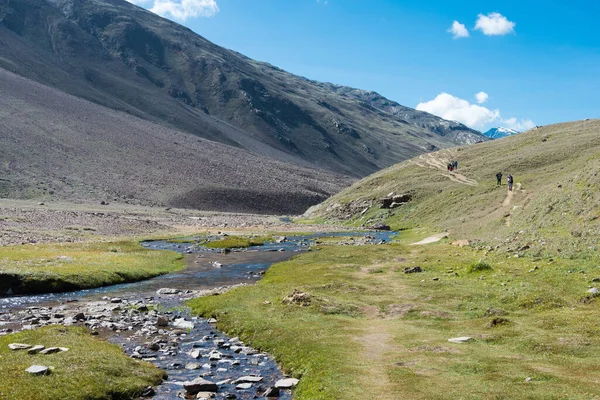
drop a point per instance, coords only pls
(458, 30)
(481, 97)
(180, 10)
(518, 125)
(456, 109)
(452, 108)
(494, 24)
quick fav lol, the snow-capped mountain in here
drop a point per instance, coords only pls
(500, 132)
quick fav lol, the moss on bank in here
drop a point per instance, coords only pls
(91, 369)
(45, 268)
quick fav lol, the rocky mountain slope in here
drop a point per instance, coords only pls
(124, 57)
(500, 132)
(554, 207)
(57, 146)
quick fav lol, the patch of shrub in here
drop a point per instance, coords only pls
(479, 266)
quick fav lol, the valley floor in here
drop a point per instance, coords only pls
(362, 326)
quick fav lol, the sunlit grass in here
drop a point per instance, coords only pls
(91, 369)
(60, 267)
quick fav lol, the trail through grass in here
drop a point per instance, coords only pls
(372, 331)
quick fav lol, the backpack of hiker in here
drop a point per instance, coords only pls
(510, 182)
(499, 177)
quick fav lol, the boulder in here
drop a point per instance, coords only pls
(162, 321)
(380, 227)
(200, 385)
(392, 201)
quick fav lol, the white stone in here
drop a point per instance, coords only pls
(19, 346)
(243, 386)
(286, 383)
(462, 339)
(183, 324)
(38, 370)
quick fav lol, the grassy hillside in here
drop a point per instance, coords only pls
(129, 59)
(553, 210)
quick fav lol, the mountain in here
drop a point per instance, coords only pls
(123, 57)
(500, 132)
(554, 208)
(57, 146)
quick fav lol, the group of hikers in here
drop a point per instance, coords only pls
(452, 165)
(509, 180)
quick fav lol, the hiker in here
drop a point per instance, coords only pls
(449, 166)
(499, 177)
(510, 182)
(455, 164)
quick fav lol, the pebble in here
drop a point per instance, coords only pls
(38, 370)
(183, 324)
(287, 383)
(244, 386)
(205, 396)
(19, 346)
(35, 349)
(52, 350)
(248, 379)
(462, 339)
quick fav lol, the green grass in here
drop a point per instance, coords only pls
(237, 242)
(372, 331)
(92, 369)
(44, 268)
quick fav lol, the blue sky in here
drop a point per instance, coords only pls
(537, 61)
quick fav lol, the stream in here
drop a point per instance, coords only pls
(186, 347)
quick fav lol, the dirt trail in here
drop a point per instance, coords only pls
(431, 161)
(377, 343)
(431, 239)
(508, 200)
